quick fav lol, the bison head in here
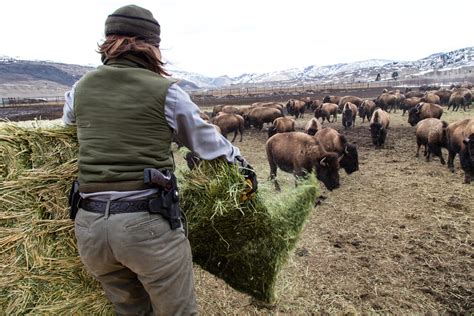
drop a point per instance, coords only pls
(378, 134)
(327, 99)
(272, 131)
(327, 171)
(469, 144)
(414, 115)
(347, 116)
(349, 160)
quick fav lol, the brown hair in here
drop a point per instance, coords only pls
(117, 45)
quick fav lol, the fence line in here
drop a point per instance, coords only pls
(254, 91)
(314, 87)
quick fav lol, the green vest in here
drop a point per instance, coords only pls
(121, 126)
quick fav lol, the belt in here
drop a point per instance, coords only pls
(115, 207)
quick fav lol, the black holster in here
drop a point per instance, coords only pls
(167, 205)
(74, 199)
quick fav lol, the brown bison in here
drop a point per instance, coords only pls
(443, 95)
(386, 101)
(281, 125)
(316, 103)
(379, 123)
(274, 105)
(431, 133)
(300, 153)
(417, 94)
(349, 113)
(229, 122)
(460, 97)
(325, 111)
(216, 109)
(348, 98)
(424, 110)
(332, 141)
(460, 139)
(231, 109)
(332, 99)
(409, 103)
(260, 115)
(312, 127)
(430, 97)
(295, 108)
(366, 109)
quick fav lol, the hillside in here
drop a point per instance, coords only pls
(46, 78)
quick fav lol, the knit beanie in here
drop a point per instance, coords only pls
(132, 20)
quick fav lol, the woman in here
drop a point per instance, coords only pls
(127, 114)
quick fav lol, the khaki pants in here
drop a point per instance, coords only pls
(144, 267)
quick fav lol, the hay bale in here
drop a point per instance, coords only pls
(246, 244)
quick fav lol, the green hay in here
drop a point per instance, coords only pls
(246, 244)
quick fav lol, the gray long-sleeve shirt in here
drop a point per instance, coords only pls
(182, 115)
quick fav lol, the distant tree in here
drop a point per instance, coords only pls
(378, 77)
(395, 75)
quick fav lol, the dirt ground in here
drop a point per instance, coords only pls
(395, 238)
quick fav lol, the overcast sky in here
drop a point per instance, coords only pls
(216, 38)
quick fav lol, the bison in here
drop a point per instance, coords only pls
(300, 153)
(409, 103)
(424, 110)
(228, 122)
(349, 98)
(295, 108)
(379, 123)
(412, 94)
(431, 97)
(386, 101)
(325, 111)
(460, 140)
(431, 133)
(333, 141)
(366, 109)
(281, 125)
(260, 115)
(332, 99)
(460, 97)
(349, 113)
(443, 95)
(312, 127)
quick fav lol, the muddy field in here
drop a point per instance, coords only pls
(396, 237)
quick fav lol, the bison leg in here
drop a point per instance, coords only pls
(235, 136)
(436, 150)
(273, 173)
(241, 130)
(451, 156)
(418, 150)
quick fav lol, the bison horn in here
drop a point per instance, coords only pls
(322, 162)
(340, 158)
(346, 151)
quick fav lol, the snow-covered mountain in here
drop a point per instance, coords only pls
(361, 71)
(459, 62)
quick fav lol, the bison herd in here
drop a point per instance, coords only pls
(325, 150)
